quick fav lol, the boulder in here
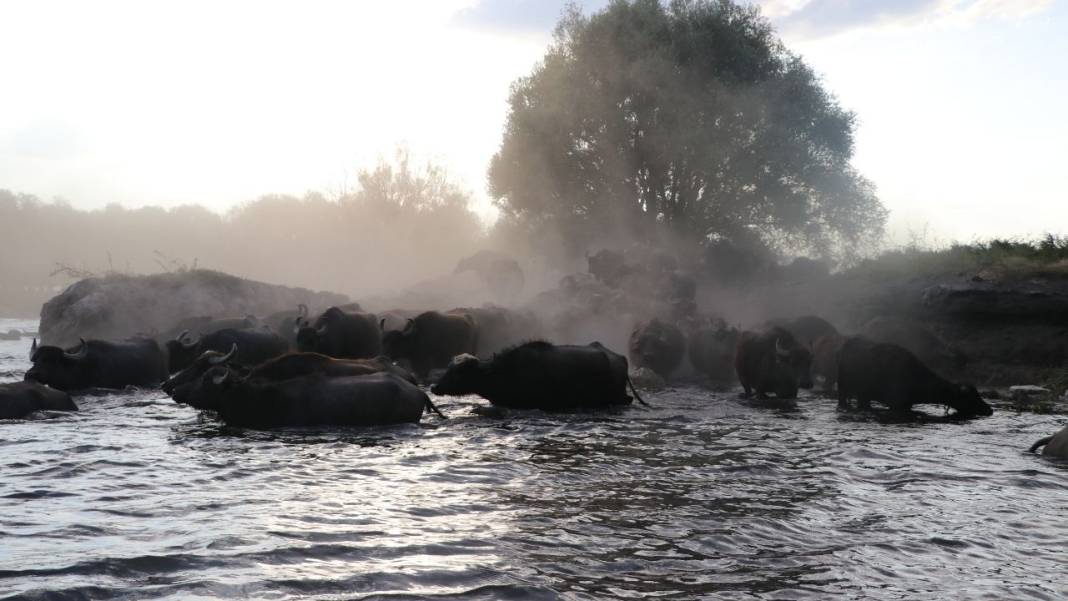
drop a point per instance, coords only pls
(119, 306)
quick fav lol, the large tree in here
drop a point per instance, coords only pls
(691, 117)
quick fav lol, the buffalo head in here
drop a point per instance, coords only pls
(461, 377)
(61, 369)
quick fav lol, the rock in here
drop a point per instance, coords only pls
(1027, 394)
(120, 306)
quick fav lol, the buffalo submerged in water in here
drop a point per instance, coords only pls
(98, 364)
(772, 361)
(431, 340)
(341, 334)
(317, 399)
(186, 384)
(19, 399)
(541, 375)
(891, 375)
(251, 347)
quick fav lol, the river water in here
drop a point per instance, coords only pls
(701, 497)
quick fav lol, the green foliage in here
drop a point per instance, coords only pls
(690, 117)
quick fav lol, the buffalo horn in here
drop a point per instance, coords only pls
(180, 337)
(302, 310)
(221, 377)
(780, 349)
(223, 358)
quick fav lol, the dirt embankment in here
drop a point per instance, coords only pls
(1012, 328)
(120, 306)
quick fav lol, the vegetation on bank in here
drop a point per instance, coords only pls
(994, 259)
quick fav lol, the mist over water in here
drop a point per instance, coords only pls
(702, 496)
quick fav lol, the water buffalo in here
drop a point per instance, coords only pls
(658, 346)
(186, 383)
(295, 365)
(540, 375)
(772, 361)
(99, 364)
(499, 328)
(805, 329)
(607, 266)
(1054, 446)
(19, 399)
(500, 273)
(253, 347)
(825, 359)
(337, 333)
(431, 340)
(892, 375)
(918, 339)
(312, 400)
(203, 325)
(287, 323)
(711, 349)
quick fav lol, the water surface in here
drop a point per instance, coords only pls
(701, 497)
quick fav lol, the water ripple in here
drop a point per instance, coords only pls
(702, 496)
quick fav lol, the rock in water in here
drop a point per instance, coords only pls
(119, 306)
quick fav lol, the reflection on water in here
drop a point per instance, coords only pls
(702, 496)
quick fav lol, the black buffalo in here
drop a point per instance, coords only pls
(312, 400)
(343, 335)
(99, 364)
(540, 375)
(187, 384)
(805, 329)
(203, 325)
(253, 347)
(500, 328)
(294, 365)
(608, 266)
(500, 273)
(658, 346)
(19, 399)
(431, 340)
(890, 374)
(287, 323)
(825, 359)
(772, 361)
(711, 348)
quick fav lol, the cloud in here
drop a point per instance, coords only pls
(519, 16)
(819, 18)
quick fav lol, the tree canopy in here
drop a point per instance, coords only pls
(690, 117)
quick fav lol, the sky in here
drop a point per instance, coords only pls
(960, 103)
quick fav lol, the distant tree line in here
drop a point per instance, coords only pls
(403, 224)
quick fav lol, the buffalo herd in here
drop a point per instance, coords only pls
(345, 366)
